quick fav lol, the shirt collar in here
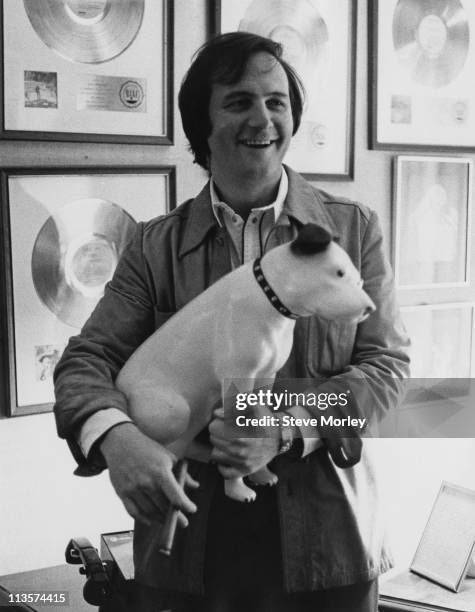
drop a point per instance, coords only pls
(304, 203)
(277, 205)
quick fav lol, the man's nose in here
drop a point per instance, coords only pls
(260, 116)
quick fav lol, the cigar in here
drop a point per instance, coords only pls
(167, 534)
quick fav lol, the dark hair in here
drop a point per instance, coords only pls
(223, 60)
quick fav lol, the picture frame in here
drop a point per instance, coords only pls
(323, 33)
(63, 231)
(442, 339)
(447, 544)
(440, 559)
(432, 221)
(421, 63)
(77, 72)
(442, 354)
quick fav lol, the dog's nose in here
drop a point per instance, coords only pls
(366, 312)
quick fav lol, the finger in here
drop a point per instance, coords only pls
(228, 448)
(228, 459)
(167, 489)
(216, 428)
(236, 449)
(219, 455)
(229, 454)
(219, 442)
(233, 445)
(191, 482)
(182, 520)
(176, 494)
(212, 457)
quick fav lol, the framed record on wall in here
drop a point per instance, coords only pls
(87, 70)
(63, 232)
(319, 42)
(422, 60)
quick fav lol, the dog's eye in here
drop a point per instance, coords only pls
(341, 273)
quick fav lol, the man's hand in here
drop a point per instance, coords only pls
(141, 472)
(240, 456)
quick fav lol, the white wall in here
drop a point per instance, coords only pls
(42, 504)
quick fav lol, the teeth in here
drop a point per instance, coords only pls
(257, 142)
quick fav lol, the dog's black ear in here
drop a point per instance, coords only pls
(311, 239)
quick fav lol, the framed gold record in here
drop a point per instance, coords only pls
(319, 41)
(87, 70)
(422, 61)
(63, 231)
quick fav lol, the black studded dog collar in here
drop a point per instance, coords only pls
(269, 292)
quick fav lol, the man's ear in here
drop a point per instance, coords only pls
(311, 239)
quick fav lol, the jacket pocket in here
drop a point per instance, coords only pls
(330, 346)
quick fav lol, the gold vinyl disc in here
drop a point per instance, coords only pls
(431, 39)
(86, 31)
(296, 24)
(75, 254)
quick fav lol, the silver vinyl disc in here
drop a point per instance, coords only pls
(75, 255)
(431, 39)
(296, 24)
(86, 31)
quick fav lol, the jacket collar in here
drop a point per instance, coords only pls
(199, 222)
(304, 204)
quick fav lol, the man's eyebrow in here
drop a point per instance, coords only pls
(238, 93)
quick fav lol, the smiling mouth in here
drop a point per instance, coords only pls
(257, 144)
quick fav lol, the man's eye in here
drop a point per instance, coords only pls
(340, 273)
(276, 103)
(237, 105)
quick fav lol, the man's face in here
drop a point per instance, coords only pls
(251, 123)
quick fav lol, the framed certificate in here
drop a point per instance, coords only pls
(422, 61)
(82, 70)
(447, 544)
(319, 41)
(432, 239)
(63, 232)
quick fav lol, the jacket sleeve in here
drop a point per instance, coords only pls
(374, 379)
(122, 320)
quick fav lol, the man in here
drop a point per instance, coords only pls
(315, 541)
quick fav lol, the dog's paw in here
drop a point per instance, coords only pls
(250, 498)
(236, 489)
(263, 477)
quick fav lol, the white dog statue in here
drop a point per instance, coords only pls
(239, 328)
